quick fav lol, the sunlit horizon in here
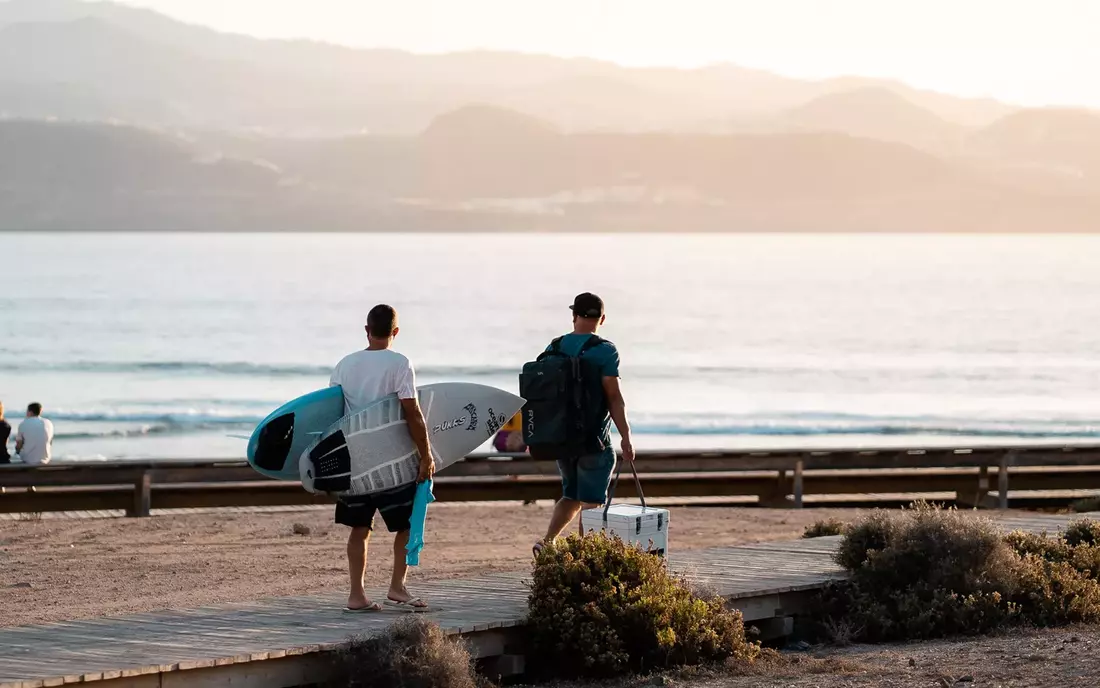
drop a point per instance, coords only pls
(1021, 53)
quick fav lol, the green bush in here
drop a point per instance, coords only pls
(824, 528)
(929, 572)
(412, 653)
(599, 607)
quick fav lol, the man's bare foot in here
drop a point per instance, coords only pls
(401, 596)
(356, 602)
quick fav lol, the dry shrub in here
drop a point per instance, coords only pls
(1055, 593)
(1077, 545)
(770, 667)
(870, 534)
(412, 653)
(839, 632)
(929, 572)
(1085, 505)
(601, 608)
(824, 528)
(1051, 549)
(1082, 532)
(1086, 559)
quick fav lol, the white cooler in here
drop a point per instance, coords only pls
(646, 527)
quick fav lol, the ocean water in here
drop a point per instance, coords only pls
(174, 346)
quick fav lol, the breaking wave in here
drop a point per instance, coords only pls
(759, 425)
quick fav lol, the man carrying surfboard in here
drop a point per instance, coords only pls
(574, 427)
(365, 376)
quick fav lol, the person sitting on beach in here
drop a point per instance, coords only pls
(5, 433)
(34, 441)
(366, 376)
(585, 479)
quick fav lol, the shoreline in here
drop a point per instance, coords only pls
(643, 442)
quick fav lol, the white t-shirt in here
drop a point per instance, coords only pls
(36, 433)
(366, 376)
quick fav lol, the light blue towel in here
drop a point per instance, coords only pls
(423, 498)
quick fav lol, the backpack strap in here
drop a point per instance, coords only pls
(553, 350)
(555, 347)
(592, 343)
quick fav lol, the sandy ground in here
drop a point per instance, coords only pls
(1059, 657)
(61, 569)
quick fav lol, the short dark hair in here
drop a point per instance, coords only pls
(381, 321)
(35, 409)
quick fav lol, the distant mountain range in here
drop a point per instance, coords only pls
(489, 169)
(112, 117)
(81, 60)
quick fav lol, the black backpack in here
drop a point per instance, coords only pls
(565, 407)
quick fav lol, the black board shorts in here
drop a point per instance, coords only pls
(394, 505)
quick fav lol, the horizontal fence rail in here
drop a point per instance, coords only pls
(776, 478)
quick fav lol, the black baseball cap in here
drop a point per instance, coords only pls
(587, 305)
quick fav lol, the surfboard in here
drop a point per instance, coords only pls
(371, 451)
(279, 440)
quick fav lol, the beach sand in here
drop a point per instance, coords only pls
(62, 569)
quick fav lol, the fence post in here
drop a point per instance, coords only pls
(798, 484)
(142, 495)
(1002, 479)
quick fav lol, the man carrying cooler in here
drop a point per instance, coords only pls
(586, 463)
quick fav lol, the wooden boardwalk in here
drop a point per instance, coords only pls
(276, 642)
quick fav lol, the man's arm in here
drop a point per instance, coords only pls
(414, 418)
(418, 430)
(616, 405)
(19, 441)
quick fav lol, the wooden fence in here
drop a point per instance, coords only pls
(979, 476)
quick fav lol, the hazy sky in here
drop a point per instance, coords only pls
(1029, 51)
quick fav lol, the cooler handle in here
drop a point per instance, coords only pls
(615, 484)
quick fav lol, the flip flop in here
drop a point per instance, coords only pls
(536, 550)
(372, 607)
(415, 606)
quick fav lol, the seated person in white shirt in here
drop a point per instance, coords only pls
(34, 440)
